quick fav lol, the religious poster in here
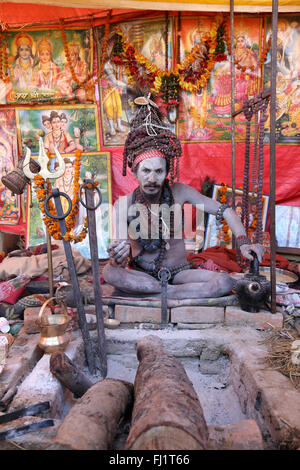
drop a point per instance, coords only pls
(9, 203)
(287, 226)
(214, 235)
(46, 65)
(287, 126)
(206, 115)
(116, 93)
(68, 128)
(94, 166)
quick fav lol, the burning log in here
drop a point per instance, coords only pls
(167, 414)
(69, 374)
(92, 423)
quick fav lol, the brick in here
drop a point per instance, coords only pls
(199, 314)
(261, 320)
(244, 435)
(22, 356)
(132, 314)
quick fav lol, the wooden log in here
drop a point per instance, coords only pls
(167, 414)
(69, 374)
(92, 423)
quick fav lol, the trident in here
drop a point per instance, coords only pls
(43, 162)
(45, 173)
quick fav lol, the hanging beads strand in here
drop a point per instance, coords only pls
(248, 112)
(254, 159)
(262, 106)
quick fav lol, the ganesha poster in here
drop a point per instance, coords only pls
(46, 65)
(206, 115)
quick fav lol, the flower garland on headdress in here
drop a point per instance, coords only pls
(44, 188)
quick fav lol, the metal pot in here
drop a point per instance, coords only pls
(53, 328)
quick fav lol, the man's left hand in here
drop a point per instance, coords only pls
(257, 248)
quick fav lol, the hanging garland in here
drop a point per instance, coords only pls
(89, 82)
(3, 58)
(225, 226)
(185, 75)
(43, 189)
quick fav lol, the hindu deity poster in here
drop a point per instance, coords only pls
(68, 128)
(116, 93)
(47, 65)
(206, 115)
(214, 235)
(9, 203)
(287, 81)
(94, 166)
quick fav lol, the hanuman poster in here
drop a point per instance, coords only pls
(116, 93)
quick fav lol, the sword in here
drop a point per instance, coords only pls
(164, 275)
(60, 215)
(91, 209)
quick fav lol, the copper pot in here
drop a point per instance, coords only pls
(54, 329)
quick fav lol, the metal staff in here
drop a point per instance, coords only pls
(91, 208)
(60, 215)
(164, 275)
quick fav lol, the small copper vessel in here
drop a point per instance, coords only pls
(55, 334)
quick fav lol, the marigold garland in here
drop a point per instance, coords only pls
(225, 227)
(140, 70)
(43, 189)
(89, 82)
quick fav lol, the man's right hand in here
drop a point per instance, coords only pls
(119, 252)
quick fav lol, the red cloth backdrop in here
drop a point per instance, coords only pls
(214, 160)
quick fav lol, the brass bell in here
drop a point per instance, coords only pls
(16, 181)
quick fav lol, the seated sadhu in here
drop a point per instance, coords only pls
(150, 240)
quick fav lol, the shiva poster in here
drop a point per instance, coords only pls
(9, 203)
(206, 115)
(68, 128)
(214, 235)
(47, 65)
(94, 166)
(117, 91)
(288, 79)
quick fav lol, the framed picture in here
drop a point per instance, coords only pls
(68, 128)
(287, 226)
(214, 235)
(9, 203)
(93, 165)
(39, 71)
(206, 115)
(287, 79)
(116, 93)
